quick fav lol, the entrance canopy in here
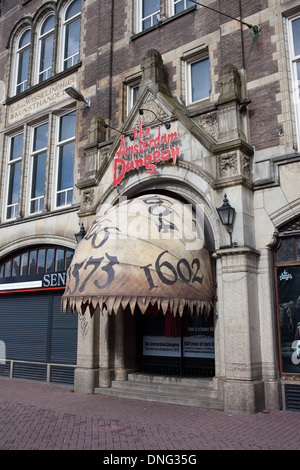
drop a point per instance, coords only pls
(144, 251)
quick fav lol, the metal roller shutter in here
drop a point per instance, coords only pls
(36, 334)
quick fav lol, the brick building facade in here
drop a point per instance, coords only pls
(180, 102)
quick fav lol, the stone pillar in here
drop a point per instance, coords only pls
(119, 365)
(243, 387)
(268, 328)
(105, 371)
(86, 373)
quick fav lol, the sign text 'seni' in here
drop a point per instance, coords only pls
(150, 147)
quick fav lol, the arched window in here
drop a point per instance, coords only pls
(22, 62)
(43, 259)
(71, 34)
(45, 49)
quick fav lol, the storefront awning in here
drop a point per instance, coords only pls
(145, 251)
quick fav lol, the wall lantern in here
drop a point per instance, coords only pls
(76, 95)
(80, 235)
(227, 215)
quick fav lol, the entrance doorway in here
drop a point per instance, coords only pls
(178, 346)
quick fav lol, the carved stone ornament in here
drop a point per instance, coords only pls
(228, 165)
(209, 123)
(88, 197)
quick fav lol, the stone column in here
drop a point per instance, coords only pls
(105, 371)
(120, 371)
(86, 373)
(243, 387)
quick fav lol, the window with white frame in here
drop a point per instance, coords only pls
(22, 62)
(45, 49)
(294, 34)
(177, 6)
(148, 11)
(14, 176)
(38, 167)
(71, 34)
(65, 159)
(198, 80)
(132, 94)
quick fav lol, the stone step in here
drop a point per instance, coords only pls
(190, 392)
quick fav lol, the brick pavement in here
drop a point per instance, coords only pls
(39, 416)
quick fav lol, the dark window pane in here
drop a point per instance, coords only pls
(24, 264)
(16, 147)
(7, 269)
(297, 248)
(73, 9)
(16, 266)
(48, 24)
(296, 36)
(69, 256)
(67, 126)
(41, 261)
(200, 80)
(50, 260)
(286, 251)
(72, 39)
(25, 39)
(66, 166)
(59, 262)
(32, 262)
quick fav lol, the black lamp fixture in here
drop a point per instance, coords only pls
(227, 215)
(76, 95)
(80, 235)
(167, 124)
(131, 135)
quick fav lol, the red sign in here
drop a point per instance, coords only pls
(154, 150)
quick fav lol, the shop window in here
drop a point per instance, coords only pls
(38, 167)
(71, 34)
(197, 80)
(14, 176)
(287, 272)
(22, 62)
(45, 49)
(65, 159)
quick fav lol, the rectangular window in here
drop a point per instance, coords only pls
(38, 168)
(148, 11)
(14, 176)
(294, 36)
(198, 80)
(132, 93)
(65, 159)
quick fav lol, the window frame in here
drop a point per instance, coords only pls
(11, 163)
(172, 6)
(33, 154)
(130, 95)
(40, 39)
(141, 19)
(189, 83)
(294, 59)
(57, 155)
(65, 23)
(17, 58)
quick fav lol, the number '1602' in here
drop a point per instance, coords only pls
(182, 271)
